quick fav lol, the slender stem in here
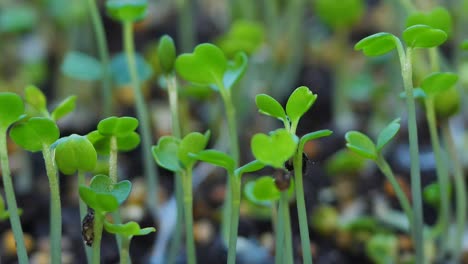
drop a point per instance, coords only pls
(185, 24)
(11, 201)
(406, 70)
(279, 239)
(460, 189)
(142, 113)
(227, 211)
(98, 224)
(55, 207)
(125, 250)
(113, 154)
(288, 256)
(189, 240)
(442, 173)
(404, 202)
(83, 212)
(235, 201)
(106, 92)
(176, 131)
(301, 208)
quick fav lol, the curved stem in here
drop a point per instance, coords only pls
(98, 225)
(142, 113)
(188, 214)
(235, 202)
(106, 92)
(460, 189)
(284, 203)
(301, 208)
(55, 207)
(404, 202)
(11, 201)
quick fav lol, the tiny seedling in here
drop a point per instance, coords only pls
(299, 102)
(11, 109)
(175, 155)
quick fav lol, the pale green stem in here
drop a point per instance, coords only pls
(97, 228)
(235, 201)
(406, 71)
(113, 154)
(301, 208)
(279, 235)
(55, 207)
(11, 201)
(400, 194)
(142, 113)
(176, 131)
(288, 255)
(188, 214)
(460, 190)
(442, 174)
(83, 212)
(125, 250)
(185, 24)
(106, 91)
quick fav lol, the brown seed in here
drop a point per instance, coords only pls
(282, 179)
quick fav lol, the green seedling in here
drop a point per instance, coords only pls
(11, 109)
(416, 36)
(345, 162)
(438, 18)
(127, 12)
(382, 248)
(176, 155)
(244, 35)
(366, 148)
(36, 104)
(339, 14)
(126, 232)
(299, 102)
(103, 196)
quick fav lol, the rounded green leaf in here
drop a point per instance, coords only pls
(64, 108)
(128, 229)
(464, 45)
(35, 133)
(205, 66)
(117, 126)
(75, 153)
(299, 103)
(103, 184)
(339, 13)
(165, 153)
(81, 66)
(235, 70)
(361, 144)
(192, 143)
(17, 17)
(274, 149)
(11, 109)
(126, 10)
(377, 44)
(382, 248)
(35, 98)
(438, 82)
(166, 54)
(315, 135)
(217, 158)
(100, 202)
(268, 105)
(438, 17)
(388, 133)
(431, 194)
(423, 36)
(244, 35)
(249, 167)
(120, 73)
(345, 161)
(128, 142)
(265, 189)
(447, 103)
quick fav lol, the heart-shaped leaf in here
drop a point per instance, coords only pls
(100, 202)
(361, 144)
(128, 230)
(166, 54)
(423, 36)
(377, 44)
(217, 158)
(265, 189)
(192, 143)
(249, 167)
(35, 133)
(235, 70)
(165, 153)
(103, 184)
(387, 134)
(125, 143)
(438, 82)
(35, 99)
(438, 17)
(299, 102)
(11, 109)
(205, 66)
(117, 126)
(274, 149)
(120, 70)
(127, 10)
(81, 66)
(64, 108)
(268, 105)
(75, 153)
